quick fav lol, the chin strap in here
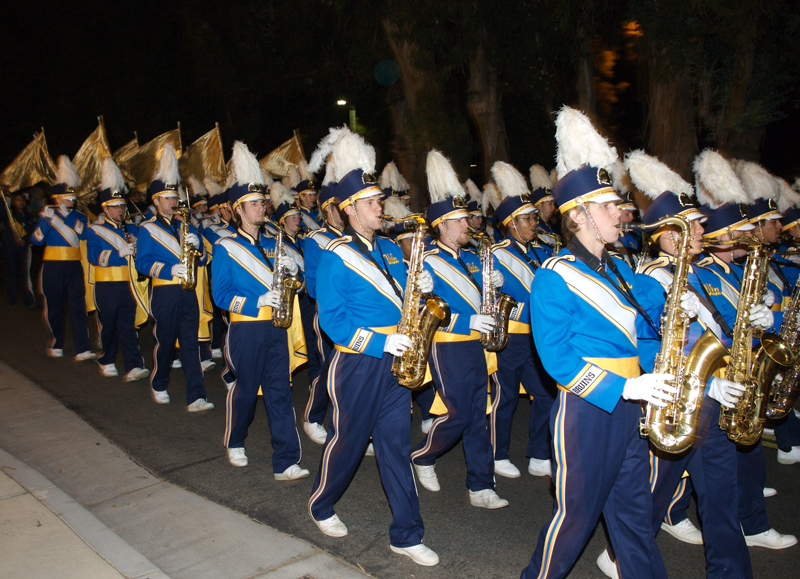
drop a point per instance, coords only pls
(591, 221)
(366, 230)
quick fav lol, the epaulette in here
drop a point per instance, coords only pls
(153, 218)
(428, 252)
(334, 243)
(469, 250)
(221, 239)
(656, 263)
(551, 262)
(311, 234)
(505, 243)
(706, 261)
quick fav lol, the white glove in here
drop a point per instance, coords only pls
(768, 299)
(481, 323)
(690, 304)
(425, 282)
(725, 392)
(652, 388)
(101, 219)
(216, 218)
(761, 316)
(272, 299)
(127, 250)
(178, 270)
(192, 238)
(290, 264)
(497, 279)
(206, 223)
(137, 219)
(397, 344)
(49, 212)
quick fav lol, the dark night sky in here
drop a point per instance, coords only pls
(145, 65)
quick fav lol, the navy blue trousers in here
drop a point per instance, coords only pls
(116, 312)
(259, 355)
(308, 313)
(601, 466)
(712, 464)
(517, 363)
(218, 327)
(176, 316)
(424, 397)
(679, 504)
(62, 280)
(787, 432)
(317, 406)
(752, 478)
(460, 377)
(366, 400)
(18, 263)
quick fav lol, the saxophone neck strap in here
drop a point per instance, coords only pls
(705, 301)
(362, 248)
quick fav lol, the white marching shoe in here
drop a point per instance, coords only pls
(55, 352)
(769, 492)
(506, 468)
(237, 457)
(137, 374)
(607, 566)
(426, 475)
(207, 365)
(789, 457)
(684, 531)
(216, 353)
(160, 396)
(109, 370)
(538, 467)
(370, 450)
(425, 426)
(87, 355)
(176, 363)
(294, 472)
(316, 432)
(332, 526)
(200, 405)
(486, 499)
(770, 539)
(420, 554)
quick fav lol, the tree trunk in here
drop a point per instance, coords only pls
(671, 134)
(731, 137)
(585, 84)
(483, 104)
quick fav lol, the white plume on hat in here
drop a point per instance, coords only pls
(244, 165)
(401, 182)
(788, 198)
(293, 178)
(620, 180)
(330, 173)
(167, 171)
(442, 179)
(509, 181)
(196, 186)
(554, 176)
(67, 174)
(652, 177)
(112, 177)
(268, 180)
(212, 186)
(389, 177)
(394, 207)
(540, 178)
(758, 183)
(579, 143)
(279, 193)
(302, 168)
(352, 152)
(491, 196)
(325, 147)
(473, 193)
(715, 180)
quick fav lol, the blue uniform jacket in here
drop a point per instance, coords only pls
(585, 330)
(518, 274)
(356, 297)
(316, 241)
(452, 284)
(63, 230)
(158, 248)
(104, 241)
(310, 219)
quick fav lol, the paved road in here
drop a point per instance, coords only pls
(187, 450)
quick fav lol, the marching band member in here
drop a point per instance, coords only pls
(474, 201)
(111, 248)
(302, 185)
(257, 352)
(711, 461)
(175, 310)
(216, 229)
(19, 225)
(393, 183)
(316, 241)
(457, 360)
(61, 229)
(364, 277)
(585, 322)
(518, 257)
(542, 199)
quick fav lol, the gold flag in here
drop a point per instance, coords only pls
(89, 158)
(123, 155)
(277, 163)
(142, 164)
(204, 158)
(32, 165)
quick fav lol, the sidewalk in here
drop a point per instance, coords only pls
(74, 505)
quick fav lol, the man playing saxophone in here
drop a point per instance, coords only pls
(712, 458)
(364, 276)
(457, 360)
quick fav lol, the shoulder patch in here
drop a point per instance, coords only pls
(504, 243)
(551, 262)
(432, 251)
(337, 242)
(705, 262)
(655, 264)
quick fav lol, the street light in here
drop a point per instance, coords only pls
(341, 103)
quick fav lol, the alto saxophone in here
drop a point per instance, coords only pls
(745, 421)
(786, 385)
(419, 325)
(189, 254)
(288, 284)
(673, 427)
(496, 304)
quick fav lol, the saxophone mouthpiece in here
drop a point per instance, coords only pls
(631, 226)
